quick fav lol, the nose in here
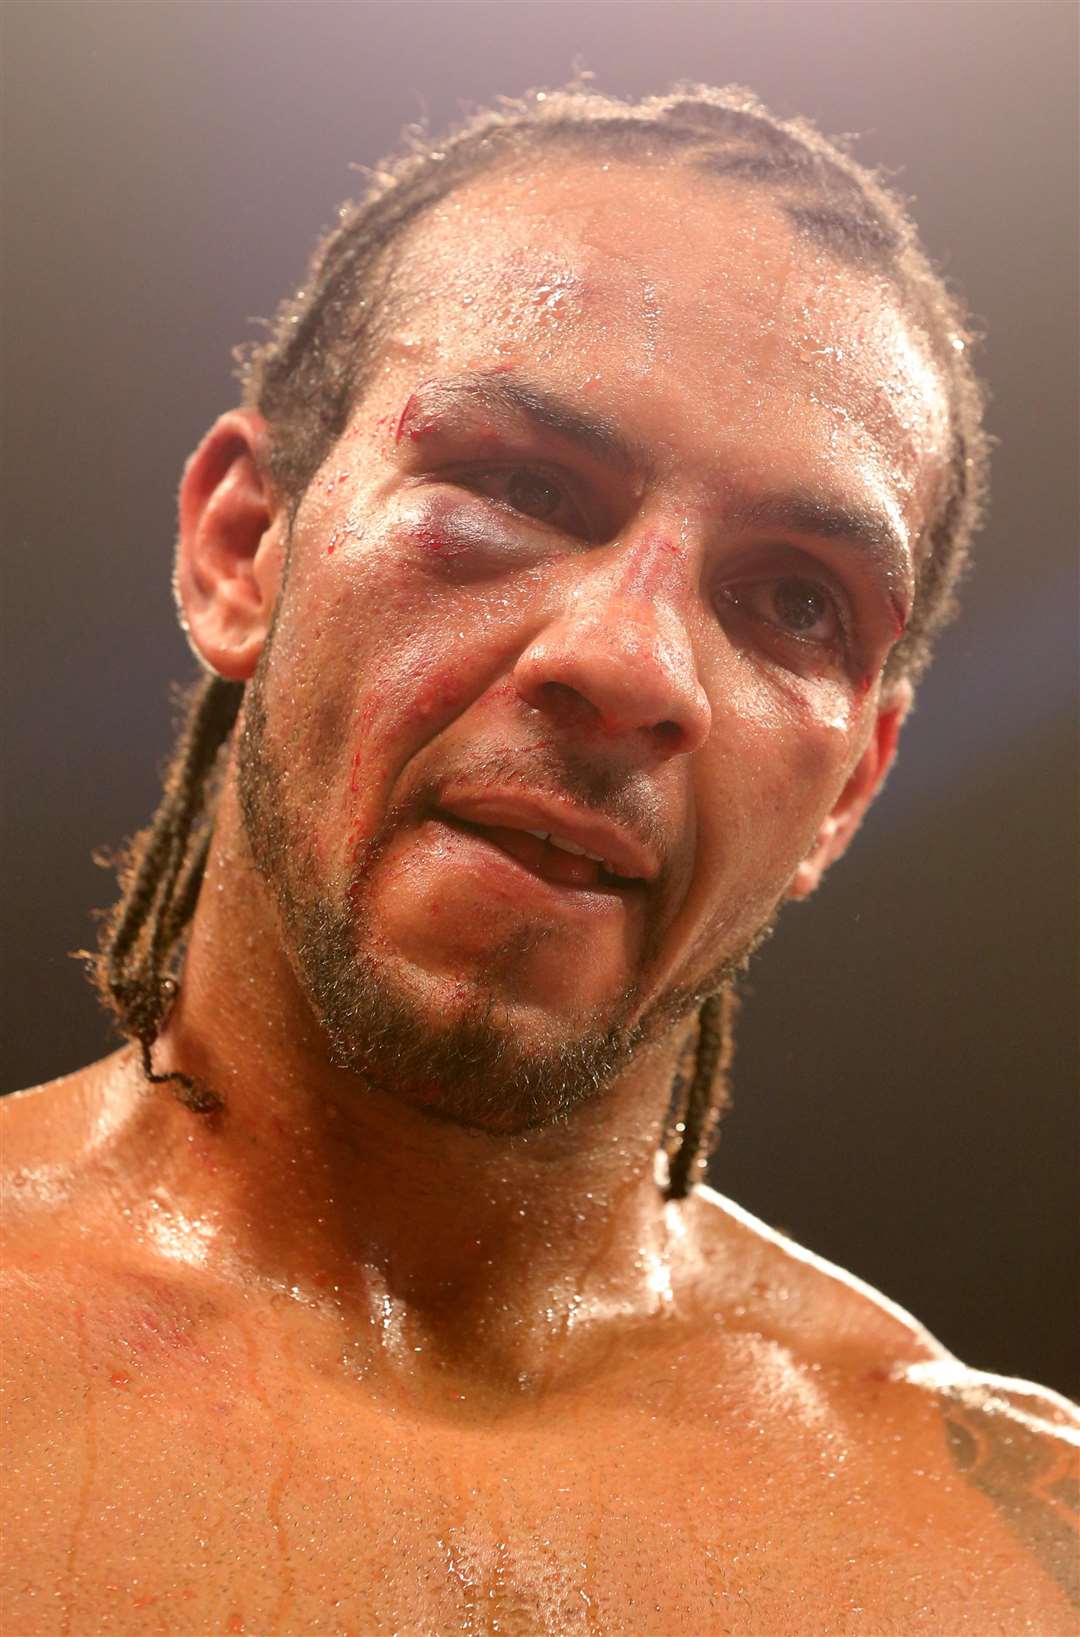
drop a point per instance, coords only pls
(619, 655)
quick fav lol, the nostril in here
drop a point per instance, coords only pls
(562, 702)
(670, 735)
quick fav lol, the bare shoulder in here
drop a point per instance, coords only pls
(59, 1221)
(47, 1132)
(832, 1315)
(991, 1458)
(822, 1313)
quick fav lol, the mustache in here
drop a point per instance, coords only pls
(628, 799)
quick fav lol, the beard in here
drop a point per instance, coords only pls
(470, 1069)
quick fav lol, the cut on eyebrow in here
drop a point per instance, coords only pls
(507, 389)
(867, 528)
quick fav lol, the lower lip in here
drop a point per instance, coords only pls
(505, 877)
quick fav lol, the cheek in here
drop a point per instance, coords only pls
(375, 655)
(775, 766)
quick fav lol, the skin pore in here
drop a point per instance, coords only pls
(556, 498)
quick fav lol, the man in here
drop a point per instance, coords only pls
(561, 588)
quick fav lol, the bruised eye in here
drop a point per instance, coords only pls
(798, 607)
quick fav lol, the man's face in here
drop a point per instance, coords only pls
(594, 558)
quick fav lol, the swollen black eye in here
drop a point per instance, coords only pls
(800, 604)
(533, 495)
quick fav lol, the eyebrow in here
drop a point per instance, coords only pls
(506, 389)
(870, 529)
(867, 528)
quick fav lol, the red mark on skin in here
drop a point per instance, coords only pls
(900, 619)
(403, 417)
(442, 690)
(353, 787)
(119, 1379)
(433, 542)
(865, 683)
(420, 430)
(651, 565)
(144, 1601)
(235, 1623)
(321, 1279)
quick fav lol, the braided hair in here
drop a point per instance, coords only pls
(307, 376)
(160, 877)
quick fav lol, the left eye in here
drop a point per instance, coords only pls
(530, 492)
(801, 608)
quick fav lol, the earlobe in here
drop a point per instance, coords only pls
(229, 551)
(839, 826)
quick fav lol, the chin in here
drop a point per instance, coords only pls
(464, 1051)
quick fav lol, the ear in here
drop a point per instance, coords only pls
(838, 826)
(230, 550)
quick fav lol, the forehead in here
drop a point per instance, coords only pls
(684, 302)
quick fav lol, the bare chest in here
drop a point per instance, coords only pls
(190, 1497)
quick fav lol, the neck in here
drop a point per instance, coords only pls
(453, 1244)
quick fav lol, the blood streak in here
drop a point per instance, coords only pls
(651, 566)
(403, 417)
(418, 431)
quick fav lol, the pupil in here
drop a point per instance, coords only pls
(799, 604)
(530, 494)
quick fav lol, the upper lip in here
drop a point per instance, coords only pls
(623, 852)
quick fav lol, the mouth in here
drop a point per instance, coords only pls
(558, 861)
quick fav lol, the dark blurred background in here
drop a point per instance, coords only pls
(907, 1069)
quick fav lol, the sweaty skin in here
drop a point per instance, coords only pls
(373, 1355)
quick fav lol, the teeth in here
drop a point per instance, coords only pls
(579, 852)
(571, 847)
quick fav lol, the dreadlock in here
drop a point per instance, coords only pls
(306, 378)
(160, 876)
(703, 1096)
